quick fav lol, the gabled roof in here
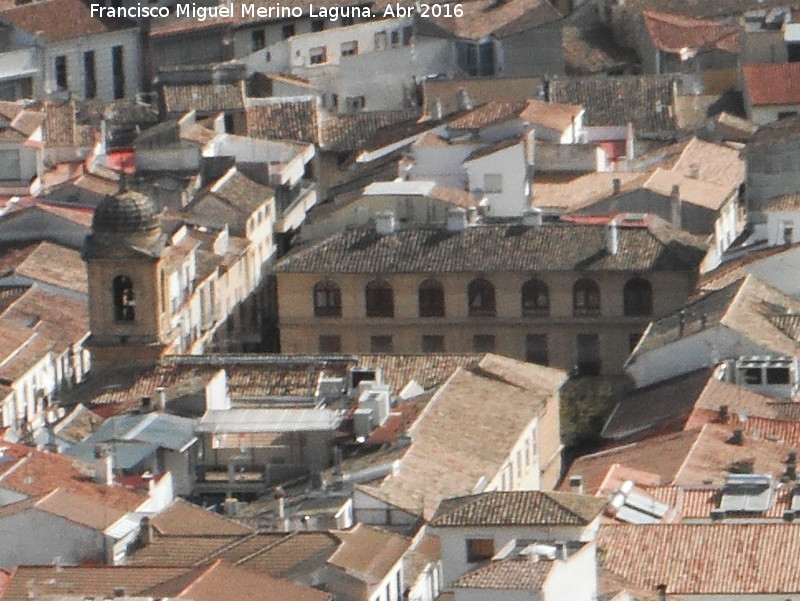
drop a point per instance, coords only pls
(73, 507)
(48, 263)
(676, 34)
(508, 574)
(772, 83)
(203, 98)
(748, 307)
(60, 20)
(543, 114)
(705, 559)
(518, 508)
(368, 553)
(182, 518)
(495, 248)
(644, 100)
(782, 131)
(499, 18)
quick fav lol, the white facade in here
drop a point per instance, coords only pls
(503, 177)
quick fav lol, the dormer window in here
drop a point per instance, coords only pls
(124, 299)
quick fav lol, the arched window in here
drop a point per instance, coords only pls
(535, 298)
(431, 299)
(638, 297)
(327, 299)
(379, 298)
(480, 294)
(124, 299)
(586, 297)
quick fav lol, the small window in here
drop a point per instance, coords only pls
(408, 35)
(89, 74)
(124, 299)
(349, 48)
(479, 549)
(381, 344)
(118, 71)
(492, 183)
(381, 41)
(355, 103)
(483, 343)
(638, 297)
(330, 344)
(786, 114)
(257, 39)
(752, 375)
(480, 295)
(318, 25)
(395, 38)
(778, 375)
(586, 298)
(327, 300)
(287, 31)
(61, 72)
(379, 299)
(535, 298)
(432, 343)
(318, 56)
(536, 349)
(431, 299)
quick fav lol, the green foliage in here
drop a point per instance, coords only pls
(586, 404)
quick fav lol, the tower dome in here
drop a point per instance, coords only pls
(126, 213)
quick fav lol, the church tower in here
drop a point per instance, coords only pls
(127, 304)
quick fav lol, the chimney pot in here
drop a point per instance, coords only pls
(616, 185)
(385, 223)
(576, 484)
(532, 217)
(612, 237)
(676, 206)
(162, 398)
(456, 219)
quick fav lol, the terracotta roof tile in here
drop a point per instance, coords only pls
(184, 518)
(368, 553)
(204, 98)
(60, 20)
(674, 33)
(518, 508)
(705, 559)
(772, 83)
(508, 574)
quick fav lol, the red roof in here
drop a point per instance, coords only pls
(674, 33)
(772, 83)
(122, 160)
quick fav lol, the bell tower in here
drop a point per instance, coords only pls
(123, 254)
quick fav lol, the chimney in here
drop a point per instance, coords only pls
(616, 183)
(456, 219)
(532, 217)
(675, 206)
(146, 404)
(612, 237)
(661, 589)
(119, 592)
(146, 531)
(162, 398)
(437, 110)
(576, 484)
(723, 414)
(103, 464)
(384, 223)
(737, 438)
(681, 322)
(694, 171)
(791, 459)
(791, 472)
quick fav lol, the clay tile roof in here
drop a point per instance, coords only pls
(519, 508)
(185, 518)
(204, 98)
(352, 132)
(494, 111)
(285, 120)
(673, 33)
(780, 131)
(772, 83)
(79, 509)
(57, 581)
(705, 559)
(644, 100)
(514, 574)
(788, 202)
(368, 553)
(494, 248)
(60, 20)
(219, 580)
(499, 18)
(56, 265)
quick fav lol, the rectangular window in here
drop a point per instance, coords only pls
(9, 165)
(381, 344)
(349, 48)
(492, 183)
(480, 549)
(355, 103)
(381, 40)
(432, 343)
(589, 363)
(89, 75)
(61, 72)
(536, 349)
(287, 31)
(330, 344)
(118, 71)
(408, 35)
(317, 24)
(257, 39)
(317, 56)
(483, 343)
(395, 38)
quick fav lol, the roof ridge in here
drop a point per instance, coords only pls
(215, 554)
(256, 553)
